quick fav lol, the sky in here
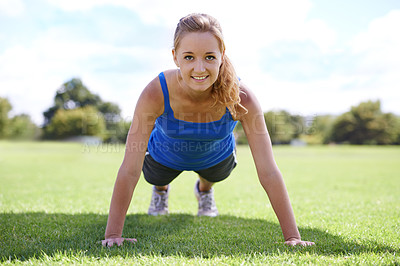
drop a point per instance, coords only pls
(308, 57)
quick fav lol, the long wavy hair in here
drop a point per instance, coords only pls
(226, 88)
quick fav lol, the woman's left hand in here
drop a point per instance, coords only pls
(296, 241)
(109, 242)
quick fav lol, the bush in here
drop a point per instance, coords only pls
(17, 127)
(283, 127)
(22, 127)
(5, 108)
(320, 130)
(85, 121)
(117, 132)
(366, 124)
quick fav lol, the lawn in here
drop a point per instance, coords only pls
(54, 200)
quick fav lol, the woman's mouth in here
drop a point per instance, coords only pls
(199, 78)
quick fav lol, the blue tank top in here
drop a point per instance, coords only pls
(184, 145)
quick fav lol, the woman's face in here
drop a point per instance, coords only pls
(198, 56)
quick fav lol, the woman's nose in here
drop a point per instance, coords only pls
(199, 66)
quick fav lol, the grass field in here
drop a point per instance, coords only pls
(54, 200)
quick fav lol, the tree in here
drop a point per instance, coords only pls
(319, 132)
(82, 121)
(397, 126)
(73, 95)
(240, 135)
(282, 126)
(5, 108)
(22, 127)
(365, 124)
(17, 127)
(117, 129)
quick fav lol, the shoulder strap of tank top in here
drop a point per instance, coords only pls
(164, 87)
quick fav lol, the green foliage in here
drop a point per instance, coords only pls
(240, 136)
(283, 127)
(117, 132)
(397, 129)
(74, 95)
(22, 127)
(17, 127)
(320, 130)
(5, 108)
(345, 198)
(83, 121)
(365, 124)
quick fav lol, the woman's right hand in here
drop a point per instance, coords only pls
(109, 242)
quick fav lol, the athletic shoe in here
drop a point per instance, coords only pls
(159, 202)
(206, 201)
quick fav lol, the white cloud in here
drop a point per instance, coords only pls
(379, 45)
(75, 5)
(381, 33)
(12, 8)
(370, 72)
(31, 72)
(378, 50)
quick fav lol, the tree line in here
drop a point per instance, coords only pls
(364, 124)
(78, 112)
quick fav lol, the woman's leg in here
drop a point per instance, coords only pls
(204, 185)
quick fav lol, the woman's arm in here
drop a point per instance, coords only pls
(149, 106)
(268, 172)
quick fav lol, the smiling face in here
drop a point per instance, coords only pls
(199, 58)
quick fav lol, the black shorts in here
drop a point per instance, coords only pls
(160, 175)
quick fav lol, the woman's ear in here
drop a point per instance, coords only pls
(175, 58)
(222, 58)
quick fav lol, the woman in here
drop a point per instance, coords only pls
(184, 120)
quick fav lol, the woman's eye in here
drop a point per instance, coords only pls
(188, 57)
(210, 57)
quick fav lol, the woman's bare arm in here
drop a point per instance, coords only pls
(268, 172)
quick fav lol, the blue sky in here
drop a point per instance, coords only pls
(309, 57)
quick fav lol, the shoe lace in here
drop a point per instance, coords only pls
(207, 201)
(159, 201)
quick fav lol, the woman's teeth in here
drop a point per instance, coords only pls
(200, 78)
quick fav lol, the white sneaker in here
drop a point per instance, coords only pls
(159, 202)
(206, 201)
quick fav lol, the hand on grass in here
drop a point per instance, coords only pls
(296, 241)
(109, 242)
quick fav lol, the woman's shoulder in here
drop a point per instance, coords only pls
(152, 98)
(249, 100)
(153, 89)
(152, 95)
(247, 97)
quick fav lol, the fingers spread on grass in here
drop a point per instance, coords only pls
(106, 243)
(299, 243)
(119, 241)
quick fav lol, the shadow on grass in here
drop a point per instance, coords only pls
(36, 235)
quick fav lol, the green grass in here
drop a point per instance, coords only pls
(54, 200)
